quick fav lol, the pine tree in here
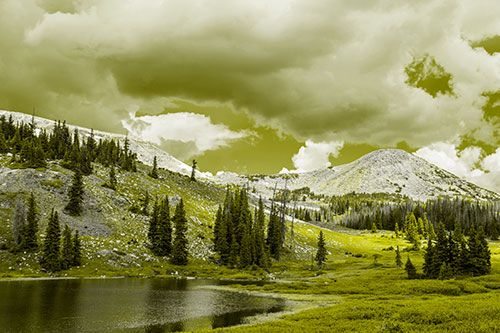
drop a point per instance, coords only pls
(217, 228)
(259, 240)
(445, 272)
(193, 169)
(246, 246)
(396, 230)
(179, 250)
(399, 262)
(374, 227)
(480, 253)
(233, 252)
(31, 227)
(154, 170)
(429, 265)
(163, 238)
(67, 254)
(441, 249)
(430, 229)
(153, 225)
(321, 252)
(410, 269)
(274, 235)
(112, 182)
(74, 206)
(77, 251)
(51, 244)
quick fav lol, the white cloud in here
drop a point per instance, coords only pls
(315, 155)
(182, 134)
(325, 70)
(468, 164)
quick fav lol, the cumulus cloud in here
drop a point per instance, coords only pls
(470, 164)
(315, 155)
(183, 134)
(319, 70)
(324, 71)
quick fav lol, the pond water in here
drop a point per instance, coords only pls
(124, 305)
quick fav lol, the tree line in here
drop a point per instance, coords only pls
(467, 213)
(32, 147)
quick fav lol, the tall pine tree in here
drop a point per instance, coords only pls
(321, 252)
(179, 249)
(67, 249)
(51, 244)
(31, 227)
(74, 206)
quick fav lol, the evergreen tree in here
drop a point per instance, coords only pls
(51, 244)
(430, 229)
(441, 249)
(163, 238)
(67, 254)
(31, 227)
(217, 228)
(429, 265)
(396, 230)
(154, 170)
(112, 182)
(321, 252)
(259, 240)
(193, 169)
(274, 235)
(410, 269)
(399, 262)
(74, 206)
(153, 225)
(374, 227)
(77, 251)
(480, 253)
(246, 245)
(233, 252)
(445, 271)
(180, 250)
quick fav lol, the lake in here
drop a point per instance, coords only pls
(124, 305)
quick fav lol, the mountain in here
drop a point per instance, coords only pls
(381, 171)
(146, 151)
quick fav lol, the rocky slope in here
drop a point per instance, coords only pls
(385, 170)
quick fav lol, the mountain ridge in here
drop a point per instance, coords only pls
(382, 171)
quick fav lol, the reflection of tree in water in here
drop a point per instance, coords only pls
(19, 299)
(36, 306)
(58, 307)
(165, 302)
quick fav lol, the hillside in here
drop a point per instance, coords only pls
(145, 150)
(381, 171)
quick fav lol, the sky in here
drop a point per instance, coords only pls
(266, 86)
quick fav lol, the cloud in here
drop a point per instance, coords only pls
(470, 164)
(321, 70)
(182, 134)
(314, 155)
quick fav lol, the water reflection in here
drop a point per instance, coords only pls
(123, 305)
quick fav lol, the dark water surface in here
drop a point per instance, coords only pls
(124, 305)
